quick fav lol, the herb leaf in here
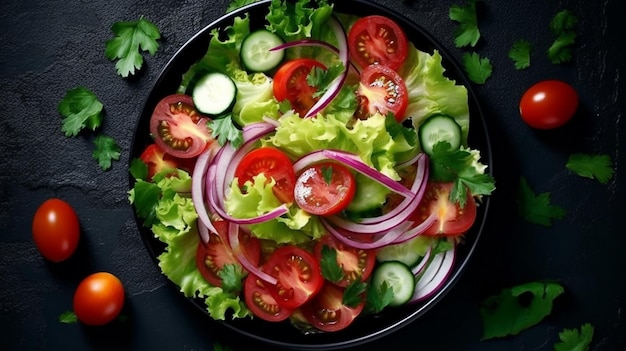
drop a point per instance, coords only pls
(224, 130)
(467, 32)
(322, 78)
(517, 308)
(130, 38)
(599, 167)
(520, 54)
(81, 109)
(68, 317)
(573, 340)
(231, 276)
(562, 25)
(353, 294)
(536, 208)
(378, 297)
(478, 69)
(106, 151)
(235, 4)
(329, 266)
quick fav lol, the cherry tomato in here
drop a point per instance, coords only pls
(382, 90)
(327, 312)
(98, 299)
(212, 257)
(548, 104)
(274, 164)
(290, 83)
(325, 188)
(357, 264)
(157, 160)
(298, 275)
(451, 218)
(377, 40)
(56, 230)
(261, 303)
(178, 128)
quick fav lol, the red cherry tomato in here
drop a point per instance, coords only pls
(56, 230)
(325, 188)
(157, 161)
(298, 275)
(261, 303)
(213, 256)
(290, 83)
(178, 128)
(357, 264)
(377, 40)
(382, 90)
(98, 299)
(548, 104)
(327, 312)
(451, 218)
(274, 164)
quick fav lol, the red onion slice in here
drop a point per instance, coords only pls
(233, 240)
(435, 275)
(197, 194)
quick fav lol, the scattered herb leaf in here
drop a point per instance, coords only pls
(599, 167)
(131, 38)
(329, 266)
(517, 308)
(353, 294)
(235, 4)
(68, 317)
(231, 276)
(378, 297)
(106, 151)
(224, 130)
(81, 109)
(478, 69)
(536, 208)
(220, 347)
(138, 169)
(322, 78)
(574, 340)
(467, 31)
(562, 25)
(520, 54)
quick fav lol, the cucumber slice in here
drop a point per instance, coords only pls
(255, 51)
(438, 128)
(399, 278)
(214, 93)
(410, 253)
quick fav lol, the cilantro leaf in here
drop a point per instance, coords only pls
(517, 308)
(378, 297)
(231, 276)
(573, 340)
(235, 4)
(478, 69)
(220, 347)
(224, 130)
(329, 266)
(138, 169)
(599, 167)
(562, 22)
(536, 208)
(81, 109)
(353, 294)
(68, 317)
(520, 54)
(467, 32)
(562, 25)
(322, 78)
(131, 38)
(106, 151)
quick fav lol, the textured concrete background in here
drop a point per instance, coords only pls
(48, 47)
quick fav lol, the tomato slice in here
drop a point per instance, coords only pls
(213, 256)
(382, 90)
(157, 161)
(377, 40)
(325, 188)
(451, 218)
(261, 303)
(357, 264)
(297, 273)
(178, 128)
(274, 164)
(327, 312)
(290, 83)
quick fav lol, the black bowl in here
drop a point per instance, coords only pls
(366, 328)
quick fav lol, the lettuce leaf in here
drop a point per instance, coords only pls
(255, 97)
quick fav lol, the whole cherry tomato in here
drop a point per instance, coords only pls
(98, 299)
(548, 104)
(56, 230)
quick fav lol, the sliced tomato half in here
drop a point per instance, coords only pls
(261, 303)
(377, 40)
(451, 218)
(213, 256)
(298, 275)
(325, 188)
(275, 165)
(290, 83)
(158, 160)
(327, 312)
(178, 128)
(382, 90)
(357, 264)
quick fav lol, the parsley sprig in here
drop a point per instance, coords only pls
(536, 208)
(130, 39)
(599, 167)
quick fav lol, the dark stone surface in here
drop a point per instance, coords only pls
(49, 47)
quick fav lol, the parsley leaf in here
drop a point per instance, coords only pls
(224, 130)
(130, 38)
(322, 78)
(520, 54)
(536, 208)
(144, 196)
(467, 32)
(353, 294)
(68, 317)
(231, 276)
(329, 265)
(573, 340)
(138, 169)
(235, 4)
(220, 347)
(599, 167)
(81, 109)
(478, 69)
(562, 25)
(106, 151)
(378, 297)
(517, 308)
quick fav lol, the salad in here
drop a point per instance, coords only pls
(313, 170)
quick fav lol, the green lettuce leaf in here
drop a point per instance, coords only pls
(255, 97)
